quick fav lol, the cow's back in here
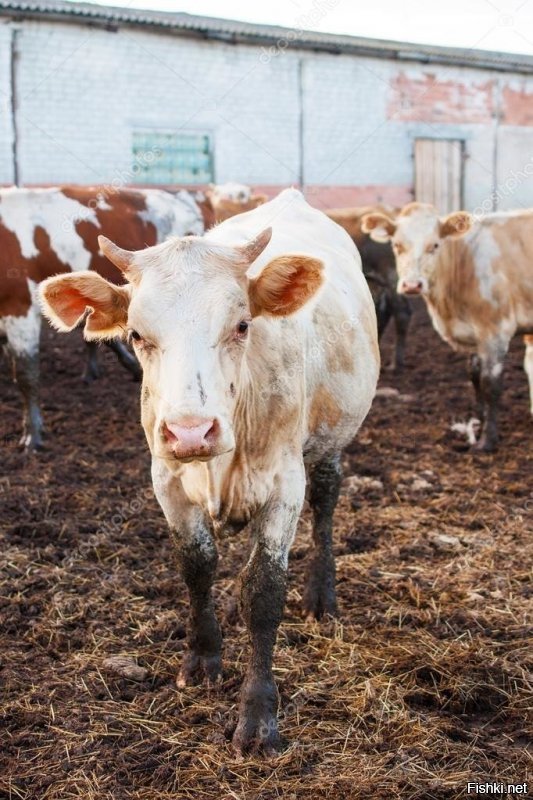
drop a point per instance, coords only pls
(335, 334)
(484, 281)
(44, 232)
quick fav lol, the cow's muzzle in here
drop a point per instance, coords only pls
(192, 438)
(410, 287)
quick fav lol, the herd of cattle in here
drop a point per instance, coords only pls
(257, 339)
(476, 277)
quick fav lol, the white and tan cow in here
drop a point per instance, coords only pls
(229, 199)
(47, 231)
(476, 277)
(259, 351)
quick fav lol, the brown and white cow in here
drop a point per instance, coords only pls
(47, 231)
(379, 267)
(259, 351)
(230, 199)
(476, 277)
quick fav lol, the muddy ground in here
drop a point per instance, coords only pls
(420, 686)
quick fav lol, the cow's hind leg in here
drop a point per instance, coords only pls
(197, 559)
(491, 384)
(383, 307)
(319, 594)
(475, 377)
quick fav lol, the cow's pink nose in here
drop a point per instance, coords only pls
(191, 436)
(411, 287)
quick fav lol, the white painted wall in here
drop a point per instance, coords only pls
(6, 131)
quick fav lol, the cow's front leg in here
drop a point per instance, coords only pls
(402, 312)
(197, 559)
(26, 369)
(263, 585)
(92, 369)
(126, 358)
(23, 334)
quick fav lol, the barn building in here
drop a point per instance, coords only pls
(96, 94)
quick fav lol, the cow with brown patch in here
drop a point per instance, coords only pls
(44, 232)
(379, 267)
(476, 276)
(229, 199)
(233, 332)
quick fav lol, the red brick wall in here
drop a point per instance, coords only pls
(346, 196)
(517, 107)
(430, 100)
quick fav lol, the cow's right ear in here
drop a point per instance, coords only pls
(65, 300)
(456, 224)
(380, 227)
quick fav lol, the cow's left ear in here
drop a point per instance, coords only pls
(285, 285)
(66, 298)
(380, 227)
(455, 224)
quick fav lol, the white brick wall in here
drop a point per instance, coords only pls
(6, 130)
(85, 90)
(82, 91)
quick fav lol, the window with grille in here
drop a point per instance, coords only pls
(172, 157)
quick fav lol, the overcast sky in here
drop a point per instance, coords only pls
(487, 24)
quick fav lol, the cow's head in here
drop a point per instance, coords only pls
(189, 310)
(416, 234)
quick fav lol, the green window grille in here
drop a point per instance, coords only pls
(172, 157)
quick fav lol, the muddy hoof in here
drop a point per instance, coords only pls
(257, 735)
(319, 601)
(31, 444)
(91, 374)
(394, 367)
(257, 729)
(195, 669)
(484, 446)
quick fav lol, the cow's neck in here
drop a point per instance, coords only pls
(266, 421)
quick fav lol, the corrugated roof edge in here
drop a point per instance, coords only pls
(234, 31)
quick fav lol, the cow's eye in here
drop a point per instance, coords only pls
(135, 336)
(242, 328)
(432, 247)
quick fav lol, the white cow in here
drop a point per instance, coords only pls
(259, 351)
